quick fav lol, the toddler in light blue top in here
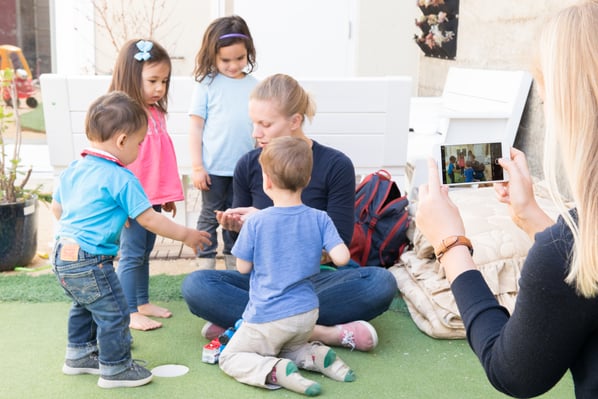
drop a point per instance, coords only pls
(92, 201)
(220, 128)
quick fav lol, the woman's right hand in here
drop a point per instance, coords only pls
(437, 217)
(518, 194)
(201, 180)
(232, 219)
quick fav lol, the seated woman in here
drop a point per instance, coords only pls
(348, 296)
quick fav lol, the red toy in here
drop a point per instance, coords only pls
(9, 56)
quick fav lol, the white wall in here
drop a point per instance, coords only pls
(82, 46)
(385, 45)
(73, 37)
(379, 43)
(499, 35)
(181, 25)
(306, 38)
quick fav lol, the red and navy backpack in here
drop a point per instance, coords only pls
(381, 221)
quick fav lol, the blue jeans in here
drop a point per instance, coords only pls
(346, 294)
(218, 198)
(136, 245)
(99, 317)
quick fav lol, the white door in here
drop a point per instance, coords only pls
(302, 38)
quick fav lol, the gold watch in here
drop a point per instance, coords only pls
(451, 242)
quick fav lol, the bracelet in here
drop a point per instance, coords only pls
(451, 242)
(197, 168)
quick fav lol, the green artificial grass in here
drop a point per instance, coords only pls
(34, 119)
(45, 288)
(405, 364)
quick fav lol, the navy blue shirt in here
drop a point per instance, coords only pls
(331, 188)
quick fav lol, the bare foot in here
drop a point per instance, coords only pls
(149, 309)
(143, 323)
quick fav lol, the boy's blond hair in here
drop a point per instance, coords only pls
(288, 161)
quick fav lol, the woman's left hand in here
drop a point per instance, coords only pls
(232, 219)
(437, 217)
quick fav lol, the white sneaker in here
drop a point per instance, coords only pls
(230, 261)
(206, 263)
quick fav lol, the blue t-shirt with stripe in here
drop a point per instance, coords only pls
(97, 196)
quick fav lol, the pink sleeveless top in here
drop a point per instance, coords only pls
(156, 165)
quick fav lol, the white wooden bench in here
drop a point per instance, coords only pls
(366, 118)
(476, 104)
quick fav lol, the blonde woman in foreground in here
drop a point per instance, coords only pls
(554, 326)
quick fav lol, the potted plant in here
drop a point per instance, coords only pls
(18, 205)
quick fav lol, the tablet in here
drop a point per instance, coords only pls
(471, 163)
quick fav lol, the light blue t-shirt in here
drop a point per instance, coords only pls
(97, 195)
(285, 245)
(223, 103)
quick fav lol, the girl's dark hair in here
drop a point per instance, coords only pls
(113, 113)
(205, 61)
(127, 75)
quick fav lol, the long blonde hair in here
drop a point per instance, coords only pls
(568, 72)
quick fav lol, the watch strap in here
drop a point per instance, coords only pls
(451, 242)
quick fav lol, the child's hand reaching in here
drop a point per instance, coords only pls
(170, 207)
(197, 239)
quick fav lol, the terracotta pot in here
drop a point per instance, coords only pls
(18, 233)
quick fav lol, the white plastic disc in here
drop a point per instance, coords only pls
(170, 370)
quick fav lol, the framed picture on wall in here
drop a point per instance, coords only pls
(438, 27)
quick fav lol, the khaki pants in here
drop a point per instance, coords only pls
(254, 349)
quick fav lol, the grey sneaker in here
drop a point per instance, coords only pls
(134, 376)
(86, 365)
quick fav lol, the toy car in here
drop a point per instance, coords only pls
(9, 57)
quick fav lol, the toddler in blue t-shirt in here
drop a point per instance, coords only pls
(281, 247)
(92, 201)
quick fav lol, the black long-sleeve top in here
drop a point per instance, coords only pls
(552, 328)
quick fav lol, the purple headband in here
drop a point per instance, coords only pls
(229, 35)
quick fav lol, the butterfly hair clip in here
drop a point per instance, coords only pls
(144, 49)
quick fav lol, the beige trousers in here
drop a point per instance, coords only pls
(254, 349)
